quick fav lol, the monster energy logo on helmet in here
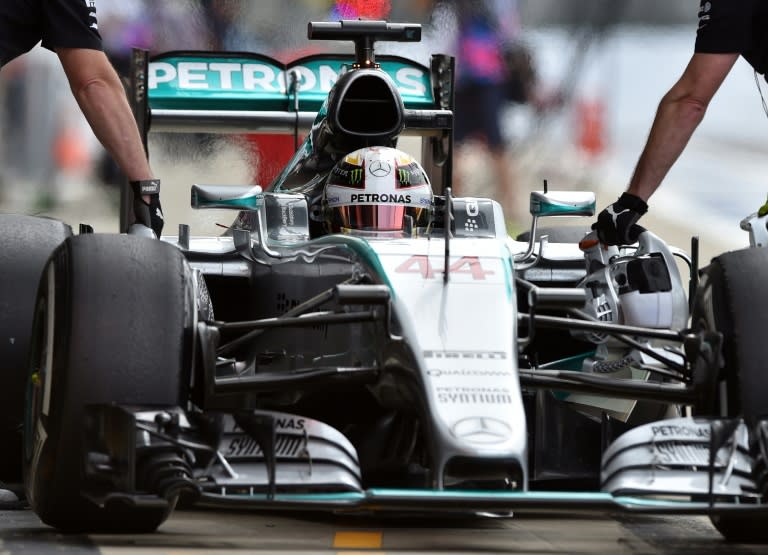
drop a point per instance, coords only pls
(404, 176)
(355, 176)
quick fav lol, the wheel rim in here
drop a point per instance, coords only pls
(38, 385)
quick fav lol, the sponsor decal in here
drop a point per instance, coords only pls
(481, 429)
(475, 355)
(704, 13)
(438, 373)
(228, 76)
(236, 75)
(92, 22)
(404, 176)
(674, 452)
(420, 264)
(379, 168)
(243, 445)
(246, 446)
(282, 424)
(291, 424)
(474, 395)
(472, 210)
(356, 175)
(287, 216)
(681, 431)
(380, 197)
(338, 170)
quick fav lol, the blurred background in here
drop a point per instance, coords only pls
(588, 77)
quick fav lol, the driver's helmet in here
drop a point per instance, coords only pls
(377, 189)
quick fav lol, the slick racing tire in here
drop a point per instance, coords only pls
(26, 242)
(111, 326)
(732, 298)
(558, 234)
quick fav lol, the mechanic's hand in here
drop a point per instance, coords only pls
(149, 213)
(617, 223)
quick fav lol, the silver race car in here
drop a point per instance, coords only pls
(360, 340)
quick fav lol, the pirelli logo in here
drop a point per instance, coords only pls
(474, 355)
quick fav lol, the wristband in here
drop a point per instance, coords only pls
(634, 203)
(145, 187)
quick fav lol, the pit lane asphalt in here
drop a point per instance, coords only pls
(213, 533)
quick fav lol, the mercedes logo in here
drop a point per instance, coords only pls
(380, 168)
(481, 429)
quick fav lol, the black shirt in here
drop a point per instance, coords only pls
(57, 23)
(735, 26)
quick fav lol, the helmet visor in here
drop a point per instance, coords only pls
(386, 217)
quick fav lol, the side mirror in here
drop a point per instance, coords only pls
(234, 197)
(562, 203)
(554, 203)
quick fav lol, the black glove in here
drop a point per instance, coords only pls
(617, 224)
(150, 214)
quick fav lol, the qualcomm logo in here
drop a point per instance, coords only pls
(481, 429)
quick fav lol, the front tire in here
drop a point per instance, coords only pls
(732, 298)
(112, 325)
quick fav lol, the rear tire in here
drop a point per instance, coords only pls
(732, 298)
(741, 529)
(112, 325)
(26, 243)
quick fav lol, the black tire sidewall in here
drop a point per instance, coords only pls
(121, 335)
(741, 528)
(732, 298)
(26, 243)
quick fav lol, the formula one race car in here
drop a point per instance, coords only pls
(360, 340)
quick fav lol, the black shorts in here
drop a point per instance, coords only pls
(735, 26)
(57, 23)
(477, 114)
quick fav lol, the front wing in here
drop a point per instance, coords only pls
(704, 466)
(431, 501)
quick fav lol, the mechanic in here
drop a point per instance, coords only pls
(70, 29)
(727, 29)
(485, 29)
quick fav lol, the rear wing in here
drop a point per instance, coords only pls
(228, 92)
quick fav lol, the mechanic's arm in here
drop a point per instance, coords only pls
(101, 96)
(678, 115)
